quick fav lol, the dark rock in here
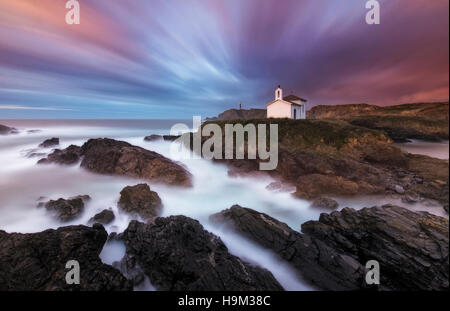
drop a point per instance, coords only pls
(37, 261)
(130, 269)
(108, 156)
(140, 200)
(176, 253)
(50, 142)
(104, 217)
(70, 155)
(5, 130)
(412, 248)
(153, 137)
(325, 203)
(33, 131)
(171, 137)
(66, 209)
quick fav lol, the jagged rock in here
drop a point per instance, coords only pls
(66, 209)
(49, 142)
(68, 156)
(5, 130)
(325, 203)
(104, 217)
(412, 248)
(153, 137)
(176, 253)
(140, 200)
(113, 157)
(37, 261)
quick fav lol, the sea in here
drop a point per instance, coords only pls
(23, 182)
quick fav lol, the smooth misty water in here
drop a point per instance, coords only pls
(22, 182)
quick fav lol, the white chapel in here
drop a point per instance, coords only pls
(291, 106)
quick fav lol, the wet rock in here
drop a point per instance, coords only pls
(70, 155)
(66, 209)
(49, 142)
(412, 248)
(325, 203)
(315, 185)
(279, 186)
(104, 217)
(140, 200)
(176, 253)
(37, 261)
(333, 251)
(6, 130)
(108, 156)
(130, 269)
(171, 137)
(153, 137)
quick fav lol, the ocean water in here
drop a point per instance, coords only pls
(22, 182)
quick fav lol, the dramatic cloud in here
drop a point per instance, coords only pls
(173, 59)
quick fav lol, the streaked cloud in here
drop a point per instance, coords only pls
(174, 59)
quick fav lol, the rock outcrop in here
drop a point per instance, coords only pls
(66, 209)
(70, 155)
(140, 200)
(104, 217)
(411, 248)
(49, 142)
(176, 253)
(325, 203)
(37, 261)
(5, 130)
(153, 137)
(112, 157)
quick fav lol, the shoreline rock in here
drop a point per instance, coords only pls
(66, 209)
(140, 200)
(6, 130)
(49, 142)
(37, 261)
(412, 248)
(112, 157)
(105, 217)
(177, 254)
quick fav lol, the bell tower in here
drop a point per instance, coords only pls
(278, 93)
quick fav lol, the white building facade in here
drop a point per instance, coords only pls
(291, 106)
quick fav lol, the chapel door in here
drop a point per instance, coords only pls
(295, 113)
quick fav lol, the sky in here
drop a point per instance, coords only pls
(173, 59)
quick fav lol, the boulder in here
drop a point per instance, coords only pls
(140, 200)
(37, 261)
(66, 209)
(411, 248)
(49, 142)
(70, 155)
(108, 156)
(325, 203)
(5, 130)
(153, 137)
(113, 157)
(171, 137)
(176, 253)
(104, 217)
